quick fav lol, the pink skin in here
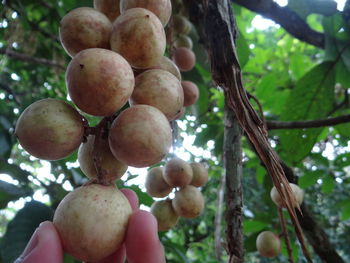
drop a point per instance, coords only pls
(141, 242)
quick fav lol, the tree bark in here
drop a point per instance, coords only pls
(234, 190)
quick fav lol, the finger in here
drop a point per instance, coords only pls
(116, 257)
(44, 246)
(132, 197)
(142, 242)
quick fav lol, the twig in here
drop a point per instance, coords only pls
(285, 235)
(218, 217)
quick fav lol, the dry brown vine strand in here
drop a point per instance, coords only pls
(285, 235)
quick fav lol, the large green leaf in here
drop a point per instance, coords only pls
(311, 99)
(14, 171)
(10, 192)
(21, 228)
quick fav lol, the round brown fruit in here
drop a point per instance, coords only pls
(160, 89)
(183, 41)
(111, 168)
(155, 183)
(200, 174)
(161, 8)
(177, 173)
(268, 244)
(108, 7)
(184, 58)
(188, 202)
(92, 221)
(139, 37)
(140, 136)
(165, 214)
(50, 129)
(99, 81)
(181, 25)
(84, 28)
(297, 191)
(180, 114)
(191, 92)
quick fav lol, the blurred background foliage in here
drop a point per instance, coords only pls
(292, 80)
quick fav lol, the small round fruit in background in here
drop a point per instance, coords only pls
(111, 168)
(200, 174)
(183, 41)
(92, 221)
(181, 25)
(99, 81)
(165, 214)
(268, 244)
(184, 58)
(83, 28)
(161, 8)
(108, 7)
(140, 136)
(188, 202)
(50, 129)
(177, 173)
(191, 92)
(297, 191)
(139, 37)
(155, 183)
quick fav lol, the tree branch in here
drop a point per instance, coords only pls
(274, 125)
(286, 18)
(29, 59)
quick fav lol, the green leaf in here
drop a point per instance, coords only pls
(243, 50)
(10, 192)
(310, 178)
(311, 99)
(21, 228)
(14, 171)
(328, 184)
(251, 225)
(144, 198)
(345, 210)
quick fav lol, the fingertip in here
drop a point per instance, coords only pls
(132, 197)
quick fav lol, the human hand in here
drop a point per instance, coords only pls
(141, 241)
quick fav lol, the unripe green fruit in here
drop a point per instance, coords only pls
(50, 129)
(92, 221)
(155, 183)
(268, 244)
(99, 81)
(83, 28)
(188, 202)
(177, 173)
(200, 175)
(108, 7)
(297, 191)
(161, 8)
(139, 37)
(181, 25)
(191, 92)
(165, 214)
(184, 58)
(111, 168)
(183, 41)
(140, 136)
(160, 89)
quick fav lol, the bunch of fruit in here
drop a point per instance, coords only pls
(268, 243)
(188, 201)
(110, 44)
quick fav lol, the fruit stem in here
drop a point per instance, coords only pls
(285, 235)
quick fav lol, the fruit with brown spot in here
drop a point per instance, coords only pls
(200, 174)
(165, 214)
(99, 81)
(177, 173)
(108, 7)
(50, 129)
(184, 58)
(160, 89)
(139, 37)
(92, 221)
(155, 183)
(161, 8)
(268, 244)
(83, 28)
(111, 168)
(297, 192)
(140, 136)
(188, 202)
(191, 92)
